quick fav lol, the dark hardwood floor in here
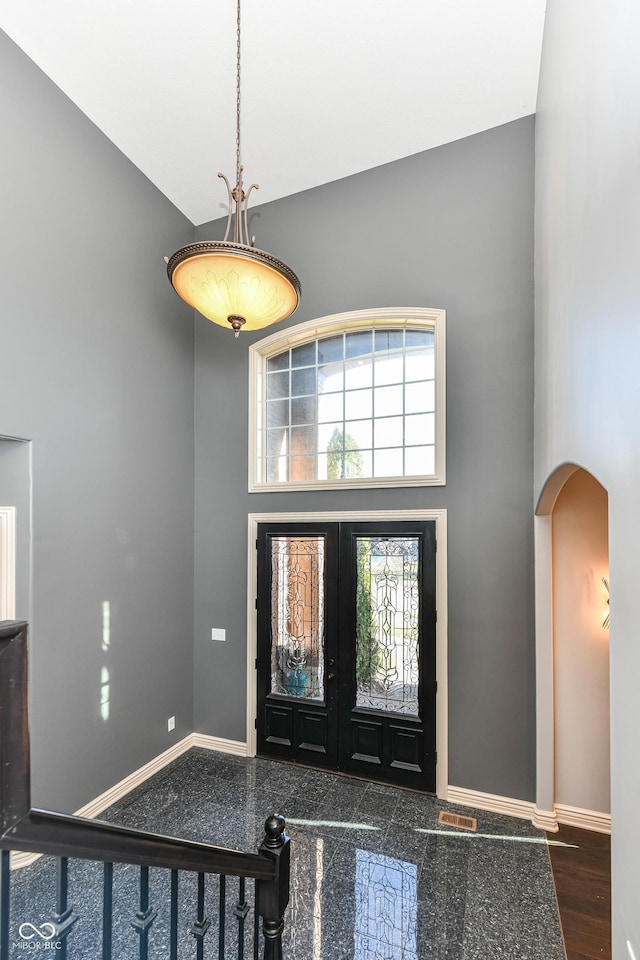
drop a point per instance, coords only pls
(582, 876)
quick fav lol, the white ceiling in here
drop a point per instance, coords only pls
(329, 87)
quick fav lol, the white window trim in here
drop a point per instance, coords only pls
(442, 682)
(357, 319)
(7, 563)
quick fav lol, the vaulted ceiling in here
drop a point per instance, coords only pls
(329, 87)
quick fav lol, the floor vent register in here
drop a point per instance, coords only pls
(456, 820)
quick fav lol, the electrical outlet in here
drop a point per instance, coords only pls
(218, 634)
(632, 955)
(171, 724)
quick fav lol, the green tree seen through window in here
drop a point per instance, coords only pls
(343, 457)
(367, 653)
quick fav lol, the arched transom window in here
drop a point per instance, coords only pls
(355, 399)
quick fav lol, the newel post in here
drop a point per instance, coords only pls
(273, 895)
(15, 799)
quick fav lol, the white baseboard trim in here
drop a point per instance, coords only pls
(117, 792)
(95, 807)
(585, 819)
(235, 747)
(19, 860)
(491, 802)
(545, 820)
(121, 789)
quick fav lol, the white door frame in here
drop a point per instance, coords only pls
(440, 518)
(7, 563)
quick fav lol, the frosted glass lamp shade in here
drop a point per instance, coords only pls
(223, 280)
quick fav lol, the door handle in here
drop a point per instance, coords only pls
(331, 676)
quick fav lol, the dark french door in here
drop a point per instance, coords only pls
(346, 648)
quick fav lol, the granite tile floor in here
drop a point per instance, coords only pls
(374, 875)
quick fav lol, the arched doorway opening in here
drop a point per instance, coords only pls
(572, 651)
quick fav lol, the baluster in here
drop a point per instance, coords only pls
(173, 922)
(256, 923)
(107, 911)
(145, 915)
(201, 924)
(223, 904)
(274, 894)
(5, 874)
(64, 918)
(241, 910)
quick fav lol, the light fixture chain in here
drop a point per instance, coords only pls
(238, 162)
(201, 272)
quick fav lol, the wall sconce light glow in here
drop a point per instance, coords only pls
(605, 622)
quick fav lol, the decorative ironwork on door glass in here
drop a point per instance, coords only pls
(297, 616)
(387, 623)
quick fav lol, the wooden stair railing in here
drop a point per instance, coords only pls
(23, 828)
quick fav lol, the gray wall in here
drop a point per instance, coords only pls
(100, 380)
(97, 372)
(463, 242)
(588, 343)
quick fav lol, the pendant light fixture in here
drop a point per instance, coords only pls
(230, 281)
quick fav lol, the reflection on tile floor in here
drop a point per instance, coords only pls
(374, 876)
